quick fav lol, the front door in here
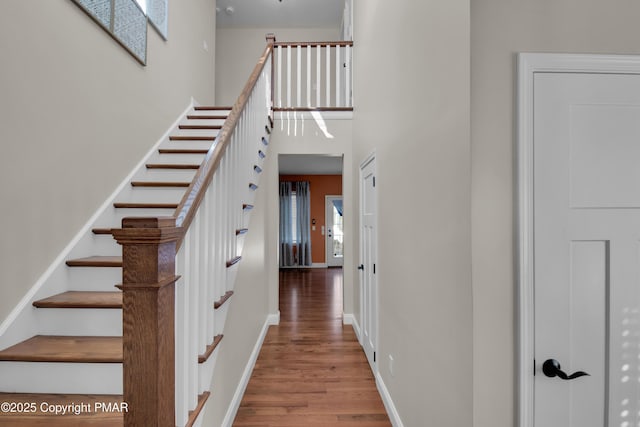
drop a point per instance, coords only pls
(334, 231)
(586, 248)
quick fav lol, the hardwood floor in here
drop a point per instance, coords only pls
(311, 370)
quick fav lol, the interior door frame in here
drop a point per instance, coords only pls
(528, 65)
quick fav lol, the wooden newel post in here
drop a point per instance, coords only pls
(148, 278)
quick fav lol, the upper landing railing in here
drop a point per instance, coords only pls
(312, 76)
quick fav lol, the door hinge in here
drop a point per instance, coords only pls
(374, 181)
(374, 269)
(374, 357)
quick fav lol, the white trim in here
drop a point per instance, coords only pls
(307, 115)
(26, 301)
(232, 409)
(350, 319)
(392, 412)
(528, 65)
(313, 265)
(274, 319)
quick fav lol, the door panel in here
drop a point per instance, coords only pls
(586, 253)
(369, 291)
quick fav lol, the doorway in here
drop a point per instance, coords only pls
(579, 221)
(334, 231)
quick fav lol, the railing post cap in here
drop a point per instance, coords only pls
(271, 37)
(143, 230)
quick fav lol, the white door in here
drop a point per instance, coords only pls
(334, 244)
(368, 283)
(586, 249)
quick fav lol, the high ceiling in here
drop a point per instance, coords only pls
(279, 13)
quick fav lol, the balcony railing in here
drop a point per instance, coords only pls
(312, 76)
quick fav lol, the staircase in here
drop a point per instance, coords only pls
(67, 352)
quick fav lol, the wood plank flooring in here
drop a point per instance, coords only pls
(311, 370)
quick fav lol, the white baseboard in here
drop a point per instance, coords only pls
(232, 410)
(388, 403)
(274, 319)
(350, 319)
(314, 265)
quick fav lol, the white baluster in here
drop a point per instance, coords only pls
(193, 310)
(318, 63)
(299, 77)
(347, 88)
(279, 76)
(309, 76)
(289, 76)
(181, 335)
(338, 76)
(328, 78)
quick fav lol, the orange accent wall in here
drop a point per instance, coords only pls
(319, 186)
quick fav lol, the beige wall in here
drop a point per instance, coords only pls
(500, 29)
(77, 112)
(411, 92)
(238, 50)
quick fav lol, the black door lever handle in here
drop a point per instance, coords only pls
(551, 368)
(361, 267)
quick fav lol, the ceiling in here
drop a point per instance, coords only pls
(309, 164)
(279, 13)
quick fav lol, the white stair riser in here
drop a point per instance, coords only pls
(90, 279)
(70, 378)
(153, 195)
(80, 321)
(200, 132)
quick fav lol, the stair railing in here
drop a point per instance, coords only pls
(176, 269)
(312, 76)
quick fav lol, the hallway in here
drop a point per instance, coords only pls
(311, 370)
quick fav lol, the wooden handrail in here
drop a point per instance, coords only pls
(315, 44)
(186, 210)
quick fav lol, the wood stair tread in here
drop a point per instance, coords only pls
(221, 301)
(82, 299)
(233, 261)
(134, 205)
(159, 184)
(92, 416)
(211, 108)
(182, 151)
(210, 348)
(200, 127)
(193, 415)
(96, 261)
(172, 166)
(191, 138)
(69, 349)
(206, 117)
(101, 230)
